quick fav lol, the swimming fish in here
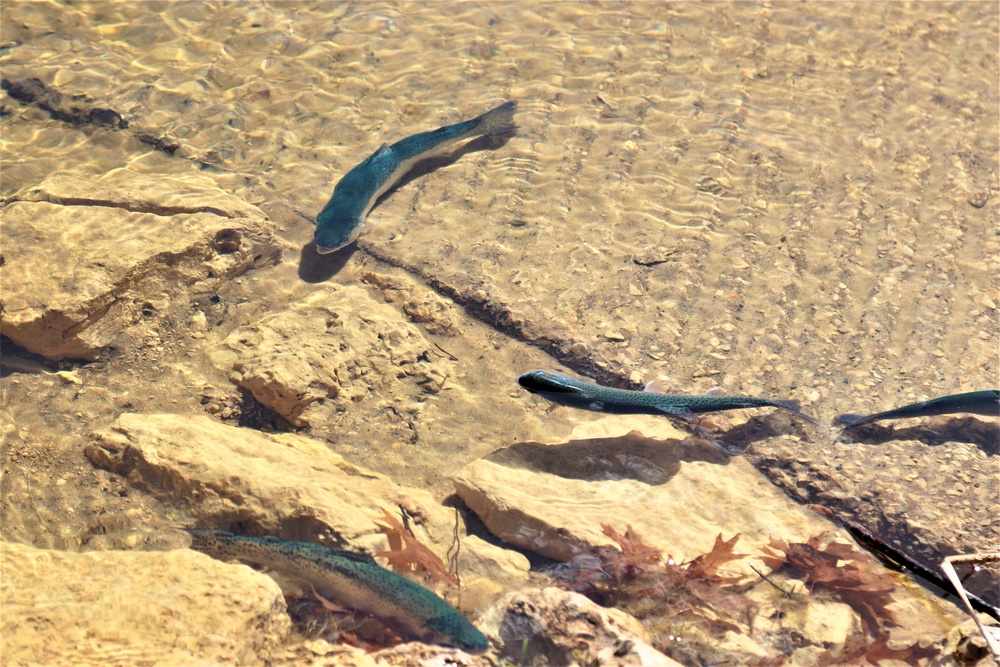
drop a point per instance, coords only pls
(975, 402)
(339, 223)
(354, 580)
(567, 391)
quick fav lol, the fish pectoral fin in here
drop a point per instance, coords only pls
(327, 604)
(677, 411)
(714, 391)
(658, 386)
(849, 419)
(596, 405)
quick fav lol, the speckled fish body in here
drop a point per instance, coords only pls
(974, 402)
(351, 579)
(567, 391)
(340, 221)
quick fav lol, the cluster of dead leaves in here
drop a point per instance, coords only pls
(639, 580)
(636, 578)
(837, 568)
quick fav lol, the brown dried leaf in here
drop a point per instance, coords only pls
(636, 556)
(407, 554)
(632, 545)
(774, 554)
(636, 578)
(707, 565)
(837, 568)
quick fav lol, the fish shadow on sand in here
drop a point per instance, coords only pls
(317, 268)
(739, 438)
(936, 431)
(434, 162)
(631, 456)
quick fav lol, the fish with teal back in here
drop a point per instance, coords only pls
(579, 394)
(341, 220)
(974, 402)
(354, 580)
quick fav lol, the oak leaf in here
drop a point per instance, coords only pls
(407, 554)
(837, 568)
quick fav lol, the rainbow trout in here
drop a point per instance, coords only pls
(354, 580)
(975, 402)
(340, 221)
(577, 394)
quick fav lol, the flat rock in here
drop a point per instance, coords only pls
(329, 350)
(130, 608)
(678, 496)
(420, 304)
(561, 628)
(286, 485)
(552, 499)
(83, 258)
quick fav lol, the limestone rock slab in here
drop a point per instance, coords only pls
(128, 608)
(420, 304)
(552, 499)
(561, 628)
(678, 496)
(82, 258)
(330, 349)
(286, 485)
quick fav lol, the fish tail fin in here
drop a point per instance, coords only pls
(793, 406)
(850, 419)
(499, 120)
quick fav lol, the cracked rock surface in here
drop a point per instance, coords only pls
(120, 607)
(82, 259)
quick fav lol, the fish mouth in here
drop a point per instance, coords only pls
(323, 250)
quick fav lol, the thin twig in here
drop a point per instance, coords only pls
(763, 576)
(949, 570)
(449, 354)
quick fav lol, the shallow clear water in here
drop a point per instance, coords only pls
(792, 200)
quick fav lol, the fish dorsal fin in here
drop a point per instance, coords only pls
(383, 149)
(353, 555)
(657, 386)
(714, 391)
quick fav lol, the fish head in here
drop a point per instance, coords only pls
(334, 231)
(540, 382)
(215, 543)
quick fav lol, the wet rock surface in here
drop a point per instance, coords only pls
(335, 348)
(561, 628)
(118, 607)
(285, 485)
(558, 499)
(925, 489)
(83, 259)
(553, 498)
